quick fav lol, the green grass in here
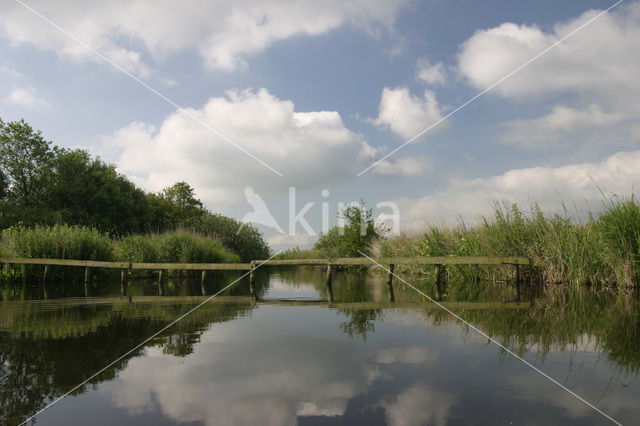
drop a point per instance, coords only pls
(177, 246)
(77, 242)
(599, 253)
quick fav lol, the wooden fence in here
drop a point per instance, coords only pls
(438, 262)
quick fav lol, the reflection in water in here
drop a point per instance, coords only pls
(360, 361)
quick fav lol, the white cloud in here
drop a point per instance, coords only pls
(278, 385)
(286, 241)
(602, 59)
(431, 74)
(309, 148)
(419, 405)
(404, 166)
(561, 123)
(405, 114)
(9, 71)
(548, 186)
(26, 97)
(222, 32)
(406, 355)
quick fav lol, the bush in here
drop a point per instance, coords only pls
(57, 242)
(178, 247)
(354, 238)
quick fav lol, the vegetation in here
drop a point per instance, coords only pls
(56, 202)
(600, 252)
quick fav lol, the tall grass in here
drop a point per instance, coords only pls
(77, 242)
(600, 252)
(57, 242)
(177, 246)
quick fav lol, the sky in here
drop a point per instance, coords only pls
(275, 95)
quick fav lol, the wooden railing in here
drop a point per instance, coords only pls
(438, 262)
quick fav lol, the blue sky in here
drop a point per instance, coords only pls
(320, 91)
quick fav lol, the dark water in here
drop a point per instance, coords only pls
(292, 358)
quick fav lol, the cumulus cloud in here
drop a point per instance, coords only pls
(222, 32)
(562, 122)
(419, 405)
(547, 186)
(405, 114)
(278, 385)
(600, 60)
(403, 166)
(26, 97)
(430, 74)
(309, 148)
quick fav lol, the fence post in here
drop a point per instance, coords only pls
(252, 279)
(86, 281)
(44, 278)
(438, 278)
(328, 284)
(392, 297)
(202, 278)
(160, 283)
(517, 281)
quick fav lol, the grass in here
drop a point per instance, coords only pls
(601, 253)
(83, 243)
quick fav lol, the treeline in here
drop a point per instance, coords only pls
(43, 184)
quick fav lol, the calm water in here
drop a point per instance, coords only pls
(293, 358)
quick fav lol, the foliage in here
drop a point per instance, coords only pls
(598, 252)
(243, 239)
(89, 192)
(25, 160)
(41, 184)
(352, 239)
(57, 242)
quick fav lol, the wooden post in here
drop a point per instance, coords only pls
(252, 279)
(44, 278)
(438, 278)
(202, 278)
(517, 281)
(86, 282)
(160, 283)
(392, 297)
(122, 282)
(328, 284)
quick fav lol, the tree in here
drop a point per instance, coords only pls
(87, 191)
(25, 161)
(181, 194)
(352, 239)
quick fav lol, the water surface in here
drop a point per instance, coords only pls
(294, 358)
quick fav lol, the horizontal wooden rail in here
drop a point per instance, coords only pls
(358, 261)
(423, 260)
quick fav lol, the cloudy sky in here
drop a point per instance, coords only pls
(279, 94)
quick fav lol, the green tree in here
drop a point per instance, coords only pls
(26, 159)
(181, 194)
(354, 237)
(177, 206)
(243, 239)
(87, 191)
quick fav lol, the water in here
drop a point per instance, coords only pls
(296, 359)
